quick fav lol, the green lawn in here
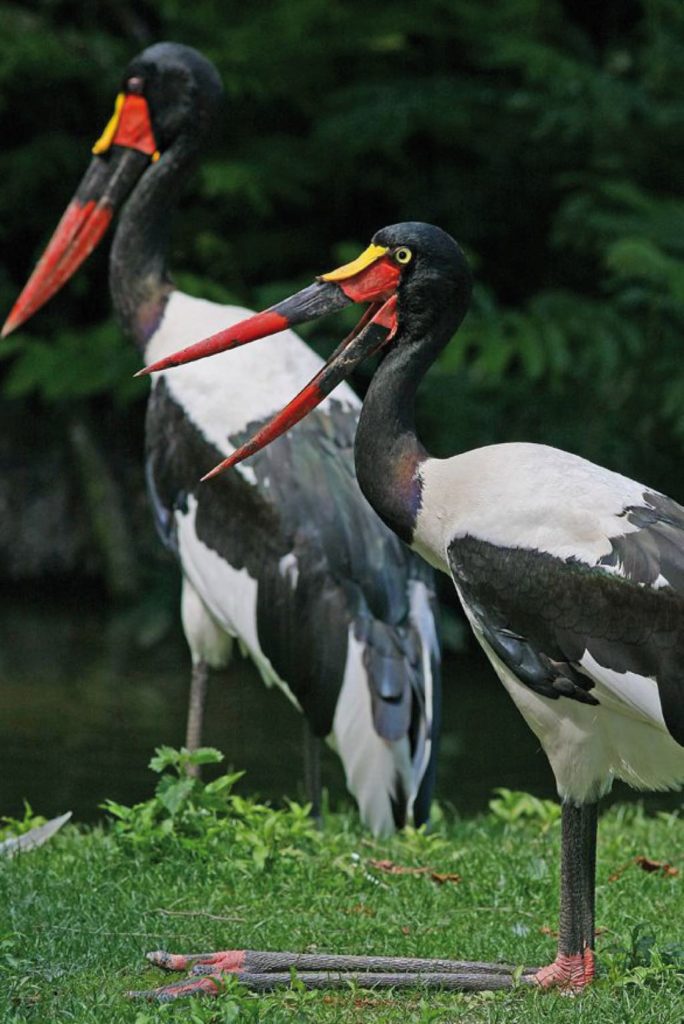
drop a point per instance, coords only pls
(79, 914)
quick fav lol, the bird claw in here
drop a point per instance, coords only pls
(228, 961)
(208, 972)
(205, 986)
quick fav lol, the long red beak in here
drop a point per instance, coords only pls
(376, 332)
(123, 154)
(373, 277)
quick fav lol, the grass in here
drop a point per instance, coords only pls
(202, 869)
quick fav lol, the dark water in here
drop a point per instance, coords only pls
(85, 699)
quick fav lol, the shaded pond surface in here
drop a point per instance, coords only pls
(84, 702)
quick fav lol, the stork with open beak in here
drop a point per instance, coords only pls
(571, 576)
(286, 556)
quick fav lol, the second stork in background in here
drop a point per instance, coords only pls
(285, 556)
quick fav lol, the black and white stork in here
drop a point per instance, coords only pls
(286, 557)
(571, 576)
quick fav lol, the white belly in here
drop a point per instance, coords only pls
(229, 594)
(588, 746)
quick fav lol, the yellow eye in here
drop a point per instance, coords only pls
(403, 255)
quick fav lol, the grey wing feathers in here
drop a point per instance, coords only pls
(655, 549)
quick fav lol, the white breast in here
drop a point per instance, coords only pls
(224, 393)
(522, 495)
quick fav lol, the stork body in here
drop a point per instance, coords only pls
(286, 556)
(571, 576)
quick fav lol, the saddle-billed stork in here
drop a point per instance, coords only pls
(287, 556)
(572, 578)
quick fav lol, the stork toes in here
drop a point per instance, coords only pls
(569, 971)
(228, 961)
(207, 973)
(208, 986)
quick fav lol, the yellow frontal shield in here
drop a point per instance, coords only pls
(368, 256)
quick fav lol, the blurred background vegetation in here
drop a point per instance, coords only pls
(546, 135)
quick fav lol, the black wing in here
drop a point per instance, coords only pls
(349, 567)
(541, 614)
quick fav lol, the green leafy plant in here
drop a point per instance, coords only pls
(198, 815)
(642, 962)
(513, 806)
(18, 826)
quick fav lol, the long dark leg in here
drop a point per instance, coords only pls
(574, 964)
(573, 967)
(254, 961)
(312, 770)
(211, 985)
(198, 696)
(262, 971)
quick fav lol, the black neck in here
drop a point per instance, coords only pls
(387, 450)
(138, 281)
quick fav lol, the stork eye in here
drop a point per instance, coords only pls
(403, 255)
(135, 85)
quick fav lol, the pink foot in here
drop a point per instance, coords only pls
(209, 986)
(228, 961)
(571, 972)
(207, 971)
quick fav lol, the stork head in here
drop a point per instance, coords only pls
(417, 284)
(181, 88)
(167, 99)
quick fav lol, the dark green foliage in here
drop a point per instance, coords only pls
(548, 137)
